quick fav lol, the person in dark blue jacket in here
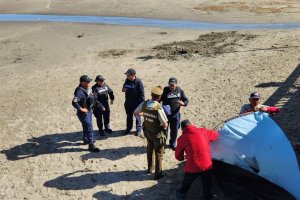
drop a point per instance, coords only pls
(134, 95)
(102, 93)
(173, 98)
(83, 101)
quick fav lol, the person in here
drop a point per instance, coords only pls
(102, 93)
(173, 98)
(255, 105)
(134, 95)
(83, 101)
(195, 142)
(155, 121)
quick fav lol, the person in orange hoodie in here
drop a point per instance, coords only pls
(195, 143)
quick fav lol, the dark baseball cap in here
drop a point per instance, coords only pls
(130, 72)
(184, 123)
(99, 78)
(85, 78)
(254, 95)
(172, 80)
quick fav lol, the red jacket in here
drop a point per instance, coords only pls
(194, 141)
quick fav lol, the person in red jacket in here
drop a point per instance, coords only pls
(195, 142)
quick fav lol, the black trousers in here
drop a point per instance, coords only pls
(206, 177)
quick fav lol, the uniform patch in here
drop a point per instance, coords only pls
(75, 100)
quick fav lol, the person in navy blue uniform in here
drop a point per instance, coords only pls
(102, 93)
(172, 99)
(134, 95)
(83, 101)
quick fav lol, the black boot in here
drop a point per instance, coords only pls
(93, 148)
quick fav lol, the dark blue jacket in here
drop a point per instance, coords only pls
(135, 92)
(83, 98)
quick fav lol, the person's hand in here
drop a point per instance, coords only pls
(165, 125)
(181, 103)
(84, 110)
(262, 109)
(124, 89)
(111, 102)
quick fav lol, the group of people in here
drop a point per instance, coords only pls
(160, 113)
(96, 99)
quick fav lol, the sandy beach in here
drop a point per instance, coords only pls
(40, 66)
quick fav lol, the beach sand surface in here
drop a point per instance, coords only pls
(40, 66)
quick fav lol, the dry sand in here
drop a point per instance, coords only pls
(40, 64)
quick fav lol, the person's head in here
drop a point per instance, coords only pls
(99, 80)
(85, 81)
(172, 83)
(156, 93)
(184, 124)
(254, 99)
(131, 74)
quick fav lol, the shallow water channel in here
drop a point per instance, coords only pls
(128, 21)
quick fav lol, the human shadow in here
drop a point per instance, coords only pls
(46, 144)
(163, 190)
(287, 97)
(115, 153)
(87, 179)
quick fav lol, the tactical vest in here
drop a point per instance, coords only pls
(87, 102)
(151, 121)
(173, 98)
(102, 92)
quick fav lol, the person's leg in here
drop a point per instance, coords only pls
(187, 181)
(106, 116)
(81, 117)
(206, 177)
(138, 122)
(129, 118)
(174, 125)
(99, 120)
(89, 127)
(150, 155)
(159, 152)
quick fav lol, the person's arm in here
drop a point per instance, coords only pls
(111, 95)
(163, 97)
(211, 134)
(138, 110)
(269, 109)
(77, 98)
(141, 91)
(162, 118)
(124, 89)
(179, 151)
(183, 99)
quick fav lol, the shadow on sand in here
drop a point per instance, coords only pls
(287, 97)
(63, 143)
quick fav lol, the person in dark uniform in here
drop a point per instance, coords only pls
(83, 101)
(134, 95)
(155, 121)
(102, 93)
(173, 98)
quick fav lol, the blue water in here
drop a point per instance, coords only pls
(128, 21)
